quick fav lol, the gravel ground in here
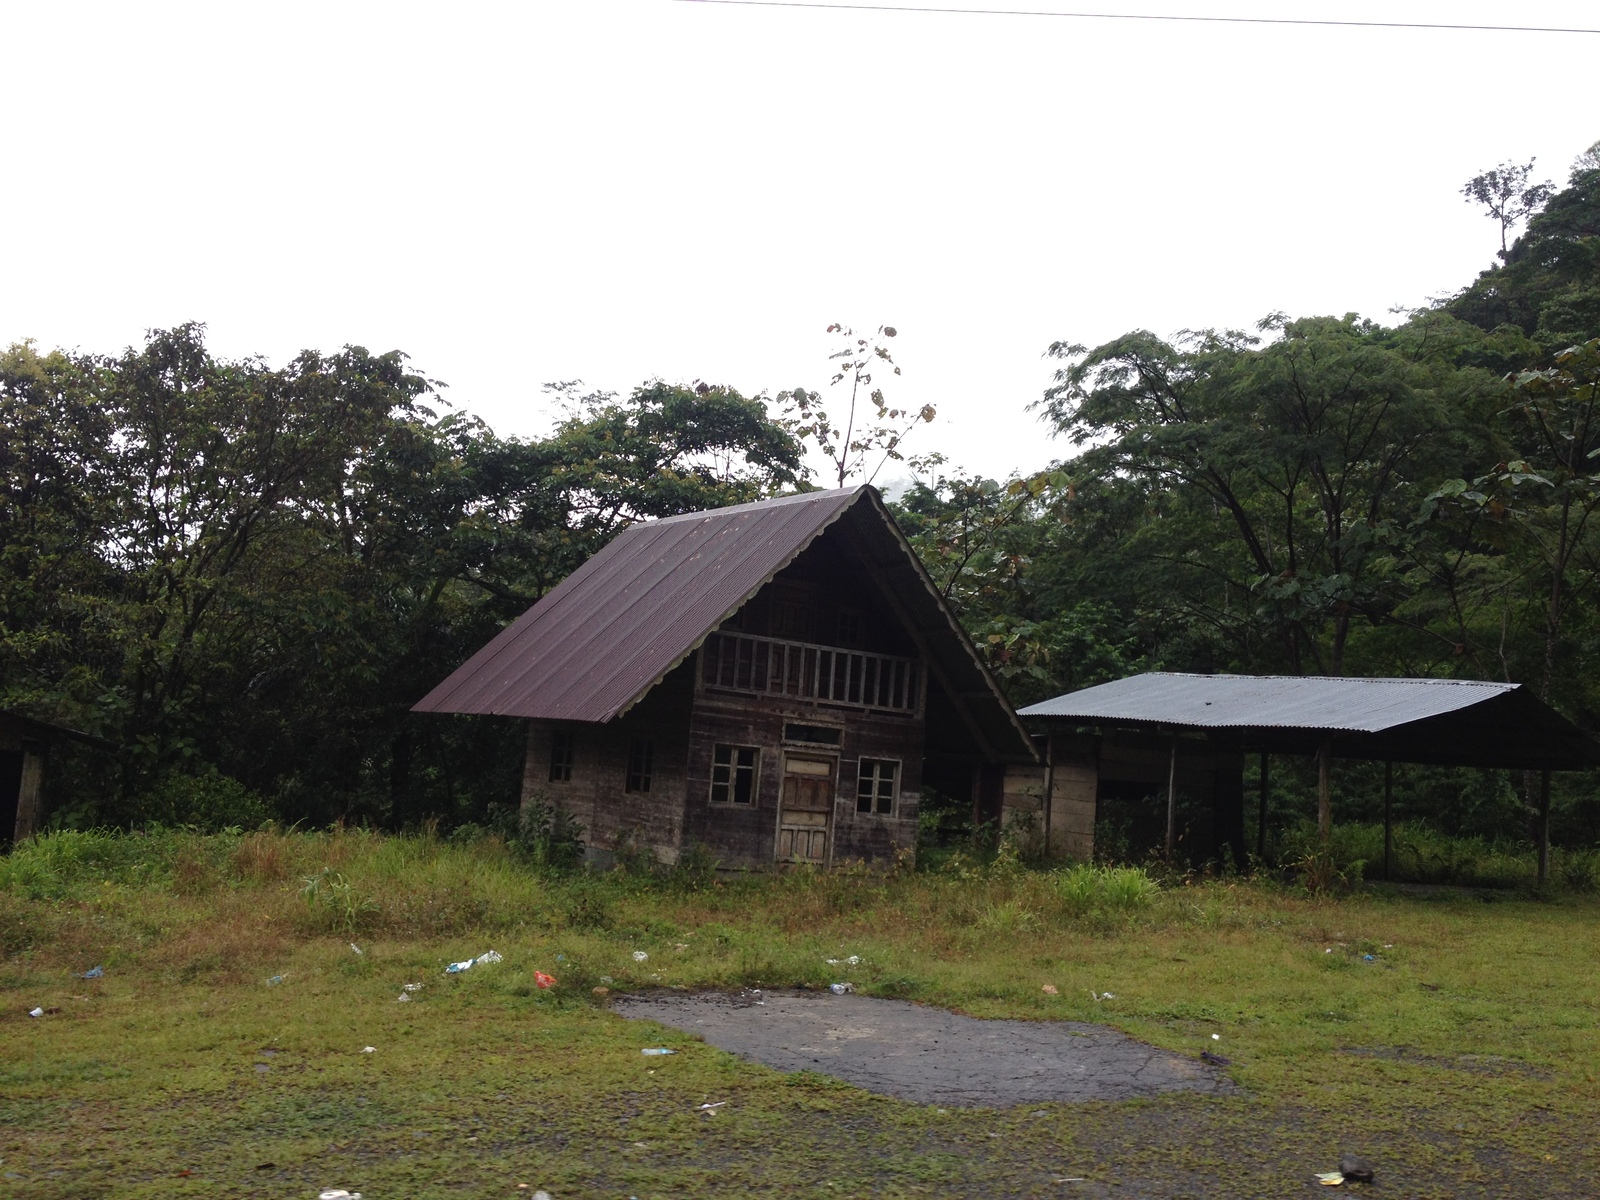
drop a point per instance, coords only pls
(927, 1055)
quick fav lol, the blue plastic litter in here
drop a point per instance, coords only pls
(275, 980)
(1369, 958)
(93, 973)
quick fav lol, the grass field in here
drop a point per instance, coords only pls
(1462, 1058)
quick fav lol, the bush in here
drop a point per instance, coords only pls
(541, 832)
(211, 802)
(1088, 888)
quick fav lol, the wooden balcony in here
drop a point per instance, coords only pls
(824, 674)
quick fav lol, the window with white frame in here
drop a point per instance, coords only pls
(733, 774)
(875, 786)
(561, 756)
(641, 763)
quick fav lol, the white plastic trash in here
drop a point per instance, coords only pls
(640, 956)
(839, 989)
(655, 1050)
(36, 1012)
(489, 956)
(339, 1194)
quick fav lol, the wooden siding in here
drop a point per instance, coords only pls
(597, 794)
(746, 835)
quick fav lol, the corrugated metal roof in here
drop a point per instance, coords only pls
(614, 627)
(612, 630)
(1268, 701)
(1456, 722)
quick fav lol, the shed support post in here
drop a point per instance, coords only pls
(1261, 817)
(1049, 787)
(1388, 824)
(1544, 826)
(1325, 792)
(1172, 799)
(28, 792)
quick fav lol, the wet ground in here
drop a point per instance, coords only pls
(927, 1055)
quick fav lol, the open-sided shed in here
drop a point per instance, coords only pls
(1193, 731)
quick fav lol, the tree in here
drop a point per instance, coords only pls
(852, 444)
(1508, 196)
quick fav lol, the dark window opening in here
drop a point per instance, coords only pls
(790, 619)
(850, 627)
(822, 735)
(733, 774)
(561, 756)
(875, 786)
(641, 762)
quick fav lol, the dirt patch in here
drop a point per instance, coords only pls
(927, 1055)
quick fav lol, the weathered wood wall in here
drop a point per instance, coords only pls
(597, 794)
(745, 835)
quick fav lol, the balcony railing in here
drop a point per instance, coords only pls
(769, 667)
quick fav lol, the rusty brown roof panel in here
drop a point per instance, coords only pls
(614, 627)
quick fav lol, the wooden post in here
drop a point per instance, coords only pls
(1049, 787)
(1388, 825)
(1325, 792)
(1544, 826)
(1261, 819)
(1172, 799)
(28, 791)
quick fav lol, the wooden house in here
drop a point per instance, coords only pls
(777, 682)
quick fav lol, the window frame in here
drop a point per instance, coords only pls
(563, 755)
(854, 637)
(735, 768)
(874, 796)
(640, 767)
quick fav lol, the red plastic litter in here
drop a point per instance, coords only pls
(543, 980)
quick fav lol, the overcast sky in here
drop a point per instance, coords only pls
(613, 190)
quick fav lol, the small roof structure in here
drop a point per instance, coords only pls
(1453, 722)
(608, 633)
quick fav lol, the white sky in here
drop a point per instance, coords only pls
(618, 189)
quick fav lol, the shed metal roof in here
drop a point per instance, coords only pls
(609, 632)
(1268, 701)
(1453, 721)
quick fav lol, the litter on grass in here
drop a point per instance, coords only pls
(404, 998)
(369, 1049)
(709, 1107)
(1353, 1166)
(339, 1194)
(640, 956)
(543, 980)
(357, 949)
(840, 989)
(39, 1012)
(412, 987)
(1097, 997)
(93, 973)
(656, 1050)
(275, 981)
(853, 961)
(488, 956)
(1049, 989)
(1216, 1037)
(1329, 1178)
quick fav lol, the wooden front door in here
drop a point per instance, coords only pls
(806, 810)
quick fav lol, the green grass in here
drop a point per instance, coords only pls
(1463, 1058)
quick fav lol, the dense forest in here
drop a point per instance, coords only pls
(243, 575)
